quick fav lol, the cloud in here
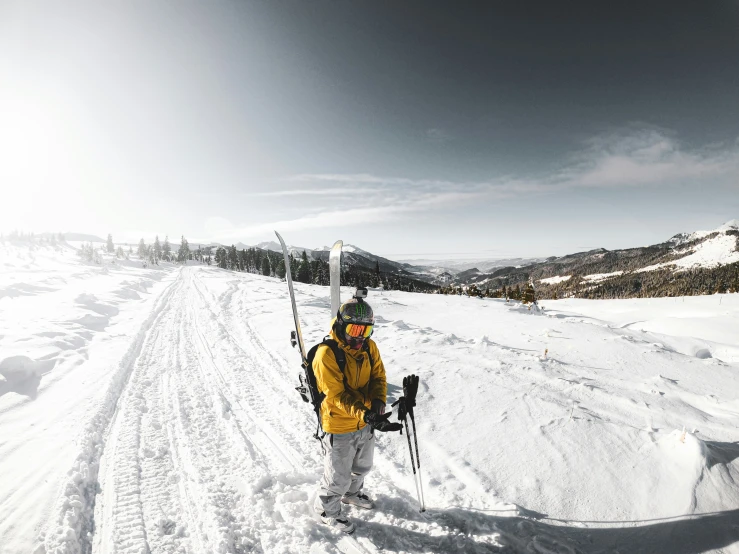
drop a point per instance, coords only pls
(638, 157)
(645, 157)
(318, 220)
(635, 157)
(302, 192)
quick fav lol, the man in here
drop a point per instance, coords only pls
(353, 409)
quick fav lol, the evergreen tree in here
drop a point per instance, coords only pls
(142, 249)
(304, 269)
(220, 257)
(233, 258)
(528, 294)
(183, 253)
(280, 270)
(157, 248)
(265, 266)
(109, 246)
(167, 249)
(294, 265)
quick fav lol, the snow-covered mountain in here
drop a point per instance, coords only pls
(700, 250)
(351, 256)
(82, 237)
(455, 266)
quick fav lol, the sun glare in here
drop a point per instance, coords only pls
(40, 169)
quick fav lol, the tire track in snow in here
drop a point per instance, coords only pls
(71, 531)
(169, 484)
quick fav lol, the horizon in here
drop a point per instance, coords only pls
(458, 257)
(413, 130)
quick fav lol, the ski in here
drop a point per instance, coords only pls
(334, 265)
(298, 335)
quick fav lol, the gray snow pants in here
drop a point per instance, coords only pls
(347, 459)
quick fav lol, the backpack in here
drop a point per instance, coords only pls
(308, 388)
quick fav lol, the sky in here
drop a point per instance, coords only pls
(406, 128)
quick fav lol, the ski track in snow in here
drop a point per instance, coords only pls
(202, 444)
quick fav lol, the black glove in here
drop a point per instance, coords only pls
(378, 406)
(402, 408)
(380, 422)
(410, 388)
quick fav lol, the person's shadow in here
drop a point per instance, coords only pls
(474, 531)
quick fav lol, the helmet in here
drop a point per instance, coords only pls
(355, 321)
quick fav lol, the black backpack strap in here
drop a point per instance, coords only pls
(366, 348)
(339, 356)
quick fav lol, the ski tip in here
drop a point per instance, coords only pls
(338, 244)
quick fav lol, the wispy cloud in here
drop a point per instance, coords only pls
(302, 192)
(226, 232)
(643, 157)
(631, 158)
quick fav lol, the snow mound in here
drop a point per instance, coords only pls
(22, 375)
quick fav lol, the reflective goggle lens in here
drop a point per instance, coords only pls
(354, 330)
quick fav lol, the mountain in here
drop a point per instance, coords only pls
(274, 246)
(687, 263)
(352, 256)
(82, 237)
(647, 270)
(455, 266)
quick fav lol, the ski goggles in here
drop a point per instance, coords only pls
(356, 331)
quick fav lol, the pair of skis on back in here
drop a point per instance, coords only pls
(405, 403)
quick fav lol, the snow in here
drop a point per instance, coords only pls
(555, 280)
(731, 225)
(715, 251)
(595, 277)
(718, 250)
(154, 410)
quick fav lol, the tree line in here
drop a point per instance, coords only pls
(312, 271)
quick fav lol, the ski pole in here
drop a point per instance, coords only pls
(418, 459)
(413, 464)
(402, 411)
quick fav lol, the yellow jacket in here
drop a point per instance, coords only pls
(342, 411)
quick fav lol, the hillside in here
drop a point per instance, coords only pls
(695, 263)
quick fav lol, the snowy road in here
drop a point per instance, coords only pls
(173, 425)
